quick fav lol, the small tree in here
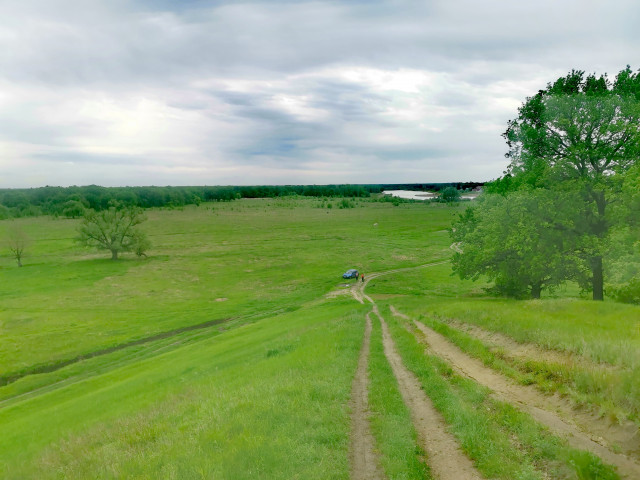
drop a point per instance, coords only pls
(17, 242)
(115, 230)
(73, 209)
(449, 195)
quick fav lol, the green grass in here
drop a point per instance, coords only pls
(266, 400)
(597, 334)
(400, 455)
(211, 262)
(613, 392)
(265, 392)
(503, 442)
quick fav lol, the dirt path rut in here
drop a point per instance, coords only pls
(364, 463)
(446, 460)
(549, 411)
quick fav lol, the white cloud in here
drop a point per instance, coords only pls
(160, 92)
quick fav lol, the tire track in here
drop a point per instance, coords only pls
(363, 459)
(445, 458)
(542, 409)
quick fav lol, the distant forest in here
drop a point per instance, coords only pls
(72, 201)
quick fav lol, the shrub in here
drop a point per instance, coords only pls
(628, 293)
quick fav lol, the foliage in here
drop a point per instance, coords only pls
(71, 201)
(73, 209)
(449, 195)
(115, 230)
(346, 203)
(514, 241)
(579, 135)
(629, 293)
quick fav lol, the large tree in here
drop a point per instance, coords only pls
(512, 241)
(114, 229)
(579, 135)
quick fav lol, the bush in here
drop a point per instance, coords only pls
(629, 293)
(449, 195)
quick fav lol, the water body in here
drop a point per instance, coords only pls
(410, 194)
(413, 195)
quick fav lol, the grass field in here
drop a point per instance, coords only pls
(601, 340)
(243, 259)
(231, 350)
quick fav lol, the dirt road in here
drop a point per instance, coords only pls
(445, 458)
(549, 411)
(364, 463)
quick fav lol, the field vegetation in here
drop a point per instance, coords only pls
(230, 350)
(597, 345)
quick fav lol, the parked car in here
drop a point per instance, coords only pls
(353, 273)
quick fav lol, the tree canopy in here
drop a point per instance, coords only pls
(511, 240)
(114, 229)
(578, 138)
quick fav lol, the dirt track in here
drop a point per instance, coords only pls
(581, 430)
(364, 464)
(549, 411)
(445, 458)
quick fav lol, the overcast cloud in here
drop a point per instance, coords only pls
(197, 92)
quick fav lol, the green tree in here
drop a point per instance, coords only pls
(73, 209)
(512, 241)
(449, 195)
(580, 135)
(114, 229)
(17, 243)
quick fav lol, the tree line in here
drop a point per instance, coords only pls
(73, 201)
(568, 205)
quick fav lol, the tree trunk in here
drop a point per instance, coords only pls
(536, 289)
(114, 254)
(598, 279)
(600, 229)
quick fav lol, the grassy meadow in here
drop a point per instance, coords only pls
(229, 352)
(240, 260)
(259, 270)
(599, 342)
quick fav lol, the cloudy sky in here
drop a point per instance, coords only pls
(194, 92)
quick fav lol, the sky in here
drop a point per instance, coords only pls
(195, 92)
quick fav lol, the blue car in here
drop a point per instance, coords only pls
(353, 273)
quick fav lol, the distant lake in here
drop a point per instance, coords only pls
(409, 194)
(413, 195)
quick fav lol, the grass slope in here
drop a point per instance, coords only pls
(503, 442)
(606, 333)
(266, 400)
(264, 393)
